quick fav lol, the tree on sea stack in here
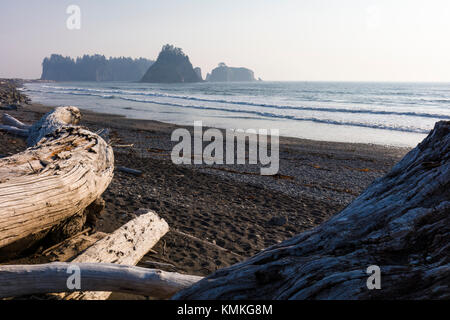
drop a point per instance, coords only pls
(400, 224)
(172, 66)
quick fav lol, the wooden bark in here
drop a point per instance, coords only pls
(401, 223)
(126, 246)
(54, 180)
(47, 278)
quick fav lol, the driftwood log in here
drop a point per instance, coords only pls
(126, 246)
(63, 172)
(55, 277)
(106, 265)
(401, 224)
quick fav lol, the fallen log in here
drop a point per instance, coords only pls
(11, 121)
(18, 280)
(401, 224)
(126, 246)
(56, 179)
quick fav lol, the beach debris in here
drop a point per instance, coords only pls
(135, 172)
(123, 145)
(278, 221)
(180, 233)
(105, 133)
(401, 218)
(154, 264)
(48, 250)
(9, 107)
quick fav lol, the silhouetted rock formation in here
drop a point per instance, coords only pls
(172, 66)
(93, 68)
(223, 73)
(198, 71)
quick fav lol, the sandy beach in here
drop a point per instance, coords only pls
(231, 207)
(219, 214)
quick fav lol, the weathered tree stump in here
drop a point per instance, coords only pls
(401, 223)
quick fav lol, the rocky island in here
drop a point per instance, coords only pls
(93, 68)
(223, 73)
(172, 66)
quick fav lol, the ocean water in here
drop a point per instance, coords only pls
(397, 114)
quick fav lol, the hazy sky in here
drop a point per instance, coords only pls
(392, 40)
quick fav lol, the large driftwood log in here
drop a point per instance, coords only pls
(54, 180)
(401, 223)
(51, 121)
(127, 246)
(55, 277)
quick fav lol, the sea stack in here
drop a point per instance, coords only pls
(223, 73)
(172, 66)
(198, 71)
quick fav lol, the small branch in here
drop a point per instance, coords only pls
(130, 171)
(206, 242)
(154, 264)
(123, 145)
(65, 241)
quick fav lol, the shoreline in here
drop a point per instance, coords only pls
(141, 123)
(184, 113)
(227, 205)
